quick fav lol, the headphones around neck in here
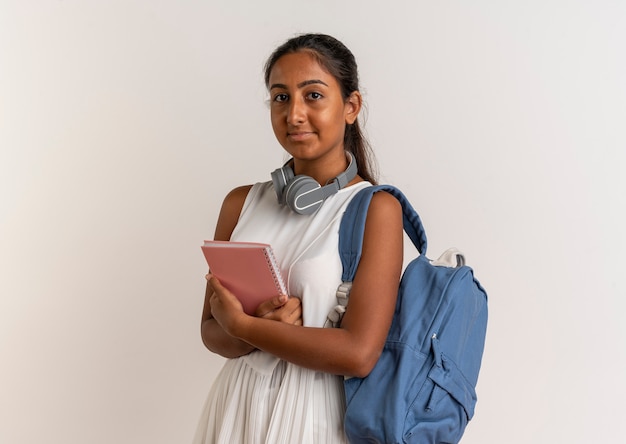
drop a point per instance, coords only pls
(302, 193)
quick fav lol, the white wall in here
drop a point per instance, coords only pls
(124, 123)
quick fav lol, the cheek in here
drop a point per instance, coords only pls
(333, 122)
(276, 121)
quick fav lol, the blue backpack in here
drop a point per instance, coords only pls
(422, 389)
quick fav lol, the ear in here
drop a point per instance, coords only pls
(353, 107)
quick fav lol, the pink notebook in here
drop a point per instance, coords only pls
(247, 269)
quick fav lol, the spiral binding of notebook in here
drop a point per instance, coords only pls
(273, 265)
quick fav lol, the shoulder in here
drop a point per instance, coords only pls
(230, 211)
(384, 220)
(384, 201)
(236, 197)
(385, 208)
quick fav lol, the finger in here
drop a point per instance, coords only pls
(270, 305)
(216, 284)
(293, 303)
(213, 299)
(295, 316)
(293, 306)
(294, 312)
(217, 288)
(279, 301)
(289, 313)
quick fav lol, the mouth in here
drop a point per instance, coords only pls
(297, 136)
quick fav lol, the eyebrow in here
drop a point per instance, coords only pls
(299, 85)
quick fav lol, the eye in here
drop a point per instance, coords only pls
(280, 97)
(314, 95)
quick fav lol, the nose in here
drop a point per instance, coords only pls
(296, 114)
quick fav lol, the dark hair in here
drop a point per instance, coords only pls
(335, 58)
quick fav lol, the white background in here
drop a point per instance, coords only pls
(124, 123)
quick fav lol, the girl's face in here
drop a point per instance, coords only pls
(308, 112)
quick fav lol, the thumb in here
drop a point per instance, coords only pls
(279, 300)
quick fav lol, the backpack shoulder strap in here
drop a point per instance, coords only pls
(352, 227)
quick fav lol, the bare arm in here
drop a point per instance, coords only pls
(213, 336)
(277, 309)
(354, 348)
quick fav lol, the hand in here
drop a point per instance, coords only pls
(225, 307)
(281, 308)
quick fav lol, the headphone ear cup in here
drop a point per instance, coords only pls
(304, 195)
(281, 177)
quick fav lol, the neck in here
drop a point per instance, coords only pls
(322, 170)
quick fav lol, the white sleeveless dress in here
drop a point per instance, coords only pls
(259, 398)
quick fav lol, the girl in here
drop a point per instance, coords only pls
(283, 381)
